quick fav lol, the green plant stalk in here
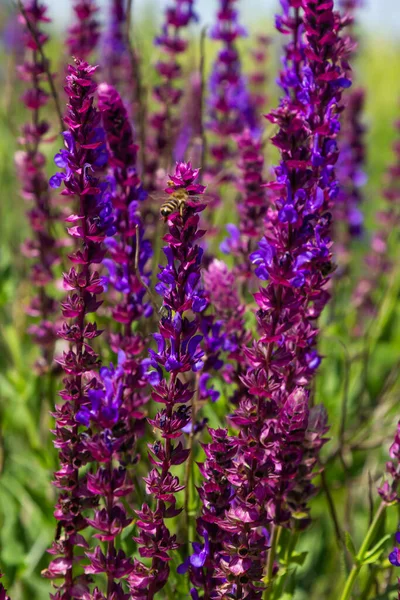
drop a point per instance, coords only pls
(276, 531)
(290, 548)
(351, 579)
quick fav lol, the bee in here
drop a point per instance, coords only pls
(176, 202)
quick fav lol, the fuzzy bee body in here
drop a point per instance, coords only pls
(176, 202)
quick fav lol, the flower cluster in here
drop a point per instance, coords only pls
(84, 33)
(258, 77)
(189, 138)
(389, 491)
(110, 443)
(350, 168)
(230, 335)
(178, 352)
(378, 260)
(31, 163)
(278, 441)
(90, 225)
(126, 263)
(125, 276)
(178, 16)
(251, 204)
(117, 63)
(229, 102)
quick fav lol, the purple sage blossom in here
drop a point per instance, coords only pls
(378, 260)
(251, 204)
(111, 447)
(89, 226)
(84, 33)
(168, 91)
(350, 169)
(30, 162)
(178, 352)
(279, 437)
(229, 105)
(117, 64)
(348, 216)
(258, 77)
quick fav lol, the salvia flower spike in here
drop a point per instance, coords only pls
(168, 90)
(229, 105)
(84, 33)
(117, 61)
(279, 438)
(378, 260)
(127, 194)
(178, 355)
(31, 162)
(89, 226)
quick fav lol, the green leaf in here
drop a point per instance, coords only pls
(373, 558)
(378, 545)
(298, 558)
(350, 544)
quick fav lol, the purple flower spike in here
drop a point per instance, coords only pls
(168, 92)
(229, 105)
(379, 261)
(42, 249)
(117, 65)
(127, 195)
(84, 33)
(252, 204)
(89, 229)
(178, 352)
(263, 477)
(258, 78)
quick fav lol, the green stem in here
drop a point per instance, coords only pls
(351, 579)
(276, 530)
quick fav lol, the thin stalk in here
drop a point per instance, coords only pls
(332, 509)
(46, 64)
(276, 530)
(202, 91)
(352, 577)
(189, 475)
(139, 98)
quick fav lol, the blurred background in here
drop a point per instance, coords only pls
(27, 456)
(379, 16)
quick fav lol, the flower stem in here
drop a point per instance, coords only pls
(351, 579)
(189, 475)
(276, 530)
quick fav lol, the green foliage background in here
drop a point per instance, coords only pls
(27, 457)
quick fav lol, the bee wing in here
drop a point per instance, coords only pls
(203, 198)
(159, 196)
